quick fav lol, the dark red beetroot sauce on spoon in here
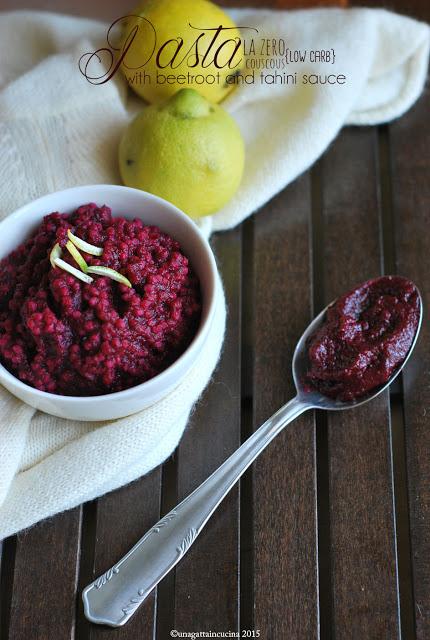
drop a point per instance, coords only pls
(367, 334)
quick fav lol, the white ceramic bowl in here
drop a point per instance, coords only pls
(130, 203)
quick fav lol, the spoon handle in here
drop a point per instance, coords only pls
(115, 596)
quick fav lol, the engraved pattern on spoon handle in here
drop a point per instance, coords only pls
(115, 596)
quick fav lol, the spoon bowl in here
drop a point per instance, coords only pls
(317, 400)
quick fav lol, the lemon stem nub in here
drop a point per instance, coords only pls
(77, 256)
(110, 273)
(55, 253)
(84, 246)
(75, 272)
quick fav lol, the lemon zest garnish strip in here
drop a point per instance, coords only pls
(110, 273)
(84, 246)
(75, 272)
(78, 258)
(55, 253)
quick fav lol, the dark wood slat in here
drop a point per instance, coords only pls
(410, 144)
(418, 9)
(7, 563)
(364, 579)
(283, 4)
(107, 10)
(123, 516)
(284, 477)
(206, 586)
(112, 9)
(44, 584)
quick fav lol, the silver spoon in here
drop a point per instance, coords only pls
(116, 595)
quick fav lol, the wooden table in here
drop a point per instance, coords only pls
(328, 535)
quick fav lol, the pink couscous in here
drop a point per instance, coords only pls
(69, 337)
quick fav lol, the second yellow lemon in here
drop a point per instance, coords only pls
(188, 151)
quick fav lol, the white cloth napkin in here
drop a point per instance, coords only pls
(57, 130)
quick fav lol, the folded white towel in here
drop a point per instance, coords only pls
(58, 130)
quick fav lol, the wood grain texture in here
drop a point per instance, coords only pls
(123, 517)
(206, 587)
(284, 4)
(284, 477)
(364, 579)
(107, 10)
(418, 9)
(45, 577)
(410, 144)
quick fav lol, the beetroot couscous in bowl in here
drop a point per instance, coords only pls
(107, 296)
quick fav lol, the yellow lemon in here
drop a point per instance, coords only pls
(188, 151)
(180, 43)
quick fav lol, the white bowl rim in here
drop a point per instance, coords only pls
(198, 338)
